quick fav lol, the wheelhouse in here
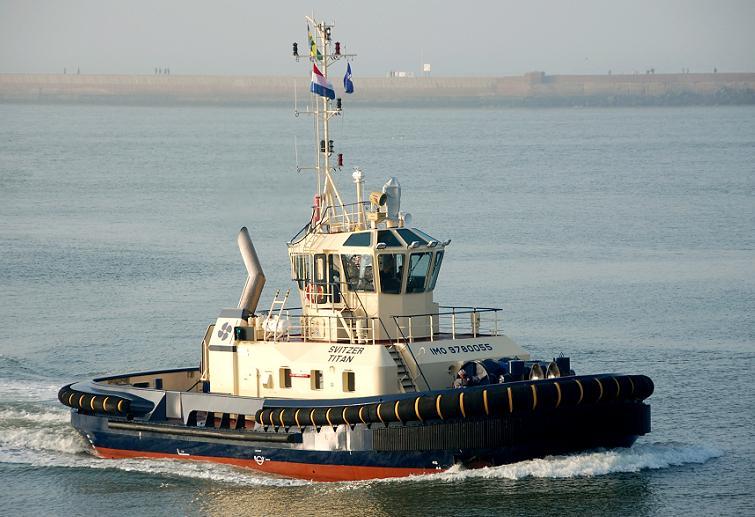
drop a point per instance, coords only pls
(377, 273)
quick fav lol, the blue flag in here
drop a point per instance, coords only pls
(347, 84)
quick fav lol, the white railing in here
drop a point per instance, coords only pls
(336, 328)
(456, 322)
(338, 218)
(449, 322)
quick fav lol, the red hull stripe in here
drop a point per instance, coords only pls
(314, 472)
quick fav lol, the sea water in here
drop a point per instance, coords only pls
(623, 238)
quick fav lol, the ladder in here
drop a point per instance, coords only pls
(273, 325)
(405, 380)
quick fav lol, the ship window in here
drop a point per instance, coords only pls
(302, 269)
(388, 238)
(436, 270)
(334, 279)
(359, 239)
(391, 268)
(358, 272)
(409, 236)
(419, 264)
(285, 378)
(269, 382)
(423, 235)
(315, 379)
(348, 381)
(320, 269)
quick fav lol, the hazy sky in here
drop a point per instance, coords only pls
(457, 38)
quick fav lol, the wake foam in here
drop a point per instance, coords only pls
(196, 470)
(25, 431)
(27, 390)
(588, 464)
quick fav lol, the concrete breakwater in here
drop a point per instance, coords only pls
(531, 89)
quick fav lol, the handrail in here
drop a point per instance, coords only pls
(302, 327)
(407, 347)
(336, 220)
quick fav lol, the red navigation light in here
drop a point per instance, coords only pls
(338, 48)
(340, 159)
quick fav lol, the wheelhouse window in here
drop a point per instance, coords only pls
(320, 278)
(419, 267)
(334, 276)
(436, 269)
(423, 235)
(359, 239)
(302, 266)
(409, 236)
(391, 268)
(388, 238)
(358, 272)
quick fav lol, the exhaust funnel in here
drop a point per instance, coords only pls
(250, 296)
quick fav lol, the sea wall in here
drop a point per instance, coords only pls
(532, 89)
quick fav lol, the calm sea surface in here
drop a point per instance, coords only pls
(624, 238)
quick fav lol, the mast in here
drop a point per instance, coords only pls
(332, 209)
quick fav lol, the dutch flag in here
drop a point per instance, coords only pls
(320, 85)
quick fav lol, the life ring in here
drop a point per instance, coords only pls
(314, 293)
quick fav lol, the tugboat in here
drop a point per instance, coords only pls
(369, 377)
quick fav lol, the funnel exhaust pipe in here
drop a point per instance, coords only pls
(250, 296)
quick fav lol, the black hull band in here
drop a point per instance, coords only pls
(492, 401)
(104, 403)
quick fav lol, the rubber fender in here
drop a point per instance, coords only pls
(521, 398)
(95, 403)
(352, 414)
(498, 402)
(644, 386)
(612, 388)
(370, 413)
(426, 407)
(593, 390)
(449, 404)
(547, 395)
(571, 393)
(518, 398)
(319, 416)
(472, 403)
(406, 412)
(334, 416)
(385, 412)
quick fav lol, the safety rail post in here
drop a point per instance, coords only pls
(495, 323)
(453, 323)
(475, 324)
(431, 327)
(411, 337)
(372, 324)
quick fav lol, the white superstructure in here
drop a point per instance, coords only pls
(367, 322)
